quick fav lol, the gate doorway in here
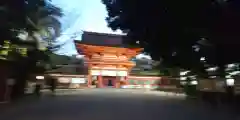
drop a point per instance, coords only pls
(109, 81)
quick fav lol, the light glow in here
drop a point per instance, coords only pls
(230, 82)
(194, 82)
(202, 58)
(39, 77)
(183, 78)
(184, 73)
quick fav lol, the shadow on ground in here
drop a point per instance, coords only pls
(112, 105)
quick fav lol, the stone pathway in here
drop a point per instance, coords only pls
(112, 104)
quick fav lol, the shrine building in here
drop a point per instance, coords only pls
(107, 57)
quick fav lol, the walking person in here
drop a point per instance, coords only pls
(53, 85)
(37, 90)
(39, 84)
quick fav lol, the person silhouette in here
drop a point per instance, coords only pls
(110, 83)
(53, 85)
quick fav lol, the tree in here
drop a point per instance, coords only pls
(163, 34)
(28, 22)
(170, 29)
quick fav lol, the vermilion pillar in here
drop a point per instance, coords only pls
(100, 81)
(89, 80)
(89, 73)
(117, 82)
(126, 77)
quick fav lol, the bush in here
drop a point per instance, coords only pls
(190, 90)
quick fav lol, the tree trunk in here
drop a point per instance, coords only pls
(19, 87)
(221, 71)
(20, 74)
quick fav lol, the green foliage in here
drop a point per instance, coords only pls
(28, 17)
(147, 73)
(169, 29)
(32, 19)
(12, 49)
(55, 60)
(190, 90)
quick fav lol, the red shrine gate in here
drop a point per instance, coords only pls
(108, 65)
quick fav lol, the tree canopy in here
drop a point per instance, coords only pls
(25, 15)
(25, 26)
(180, 32)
